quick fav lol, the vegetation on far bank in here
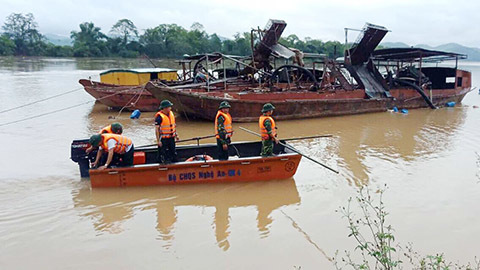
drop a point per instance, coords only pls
(20, 37)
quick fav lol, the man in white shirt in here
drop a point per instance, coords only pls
(119, 148)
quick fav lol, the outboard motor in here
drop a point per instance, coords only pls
(78, 155)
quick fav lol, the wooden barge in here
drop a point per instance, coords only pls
(124, 88)
(121, 96)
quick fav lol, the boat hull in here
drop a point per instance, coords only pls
(295, 105)
(278, 167)
(118, 97)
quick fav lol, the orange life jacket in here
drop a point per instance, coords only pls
(263, 130)
(168, 126)
(227, 124)
(107, 129)
(121, 145)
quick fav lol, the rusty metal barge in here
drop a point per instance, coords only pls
(365, 80)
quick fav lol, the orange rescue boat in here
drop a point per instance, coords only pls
(244, 164)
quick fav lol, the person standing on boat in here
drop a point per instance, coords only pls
(166, 133)
(115, 128)
(267, 130)
(119, 148)
(223, 129)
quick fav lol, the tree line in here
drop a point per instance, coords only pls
(20, 37)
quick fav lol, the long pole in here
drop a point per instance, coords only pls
(224, 75)
(294, 150)
(247, 65)
(146, 56)
(185, 140)
(211, 136)
(307, 137)
(208, 75)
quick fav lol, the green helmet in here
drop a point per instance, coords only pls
(224, 104)
(117, 128)
(165, 103)
(95, 140)
(268, 107)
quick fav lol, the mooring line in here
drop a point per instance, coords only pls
(309, 239)
(130, 104)
(60, 110)
(41, 100)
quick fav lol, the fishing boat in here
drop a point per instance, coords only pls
(245, 164)
(366, 80)
(124, 88)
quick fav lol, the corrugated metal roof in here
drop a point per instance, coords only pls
(414, 54)
(211, 56)
(140, 70)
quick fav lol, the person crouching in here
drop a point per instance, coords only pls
(115, 128)
(119, 148)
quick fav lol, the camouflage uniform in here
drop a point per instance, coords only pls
(223, 155)
(267, 145)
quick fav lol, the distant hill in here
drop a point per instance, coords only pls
(58, 39)
(472, 53)
(394, 45)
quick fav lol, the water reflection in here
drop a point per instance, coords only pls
(27, 64)
(374, 144)
(394, 140)
(110, 208)
(34, 64)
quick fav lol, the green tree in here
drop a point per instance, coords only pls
(177, 41)
(330, 48)
(89, 41)
(198, 39)
(115, 45)
(291, 40)
(215, 44)
(333, 49)
(7, 46)
(153, 41)
(125, 29)
(58, 51)
(239, 46)
(22, 29)
(166, 40)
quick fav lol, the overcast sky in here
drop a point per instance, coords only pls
(412, 22)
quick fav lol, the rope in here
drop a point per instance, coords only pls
(41, 100)
(306, 235)
(59, 110)
(43, 114)
(128, 104)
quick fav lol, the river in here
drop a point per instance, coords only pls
(51, 219)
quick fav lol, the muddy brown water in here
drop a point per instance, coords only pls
(51, 219)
